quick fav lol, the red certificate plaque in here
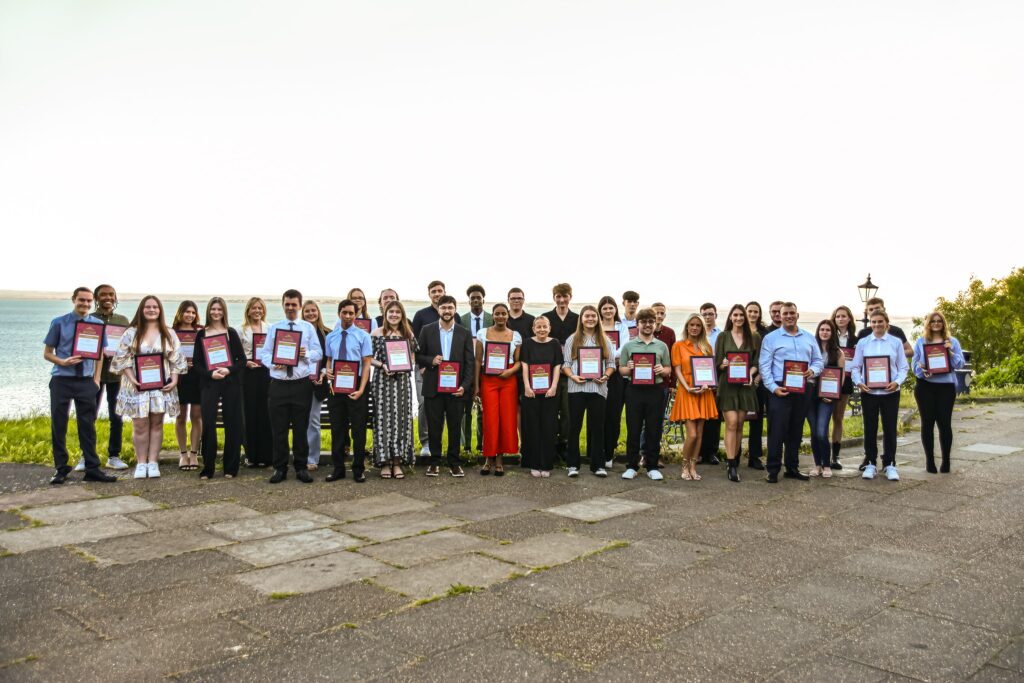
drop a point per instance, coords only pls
(188, 343)
(216, 349)
(149, 371)
(830, 383)
(346, 374)
(877, 374)
(613, 337)
(633, 332)
(793, 379)
(398, 354)
(540, 377)
(936, 359)
(88, 337)
(738, 364)
(448, 377)
(590, 362)
(703, 368)
(364, 324)
(258, 339)
(114, 334)
(643, 368)
(286, 347)
(849, 352)
(496, 357)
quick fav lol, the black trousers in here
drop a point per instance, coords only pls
(539, 423)
(888, 405)
(82, 391)
(613, 414)
(665, 393)
(645, 412)
(786, 415)
(935, 402)
(348, 416)
(229, 393)
(289, 403)
(593, 405)
(441, 410)
(711, 435)
(258, 437)
(755, 448)
(116, 423)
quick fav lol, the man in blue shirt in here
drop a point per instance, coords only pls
(348, 410)
(77, 379)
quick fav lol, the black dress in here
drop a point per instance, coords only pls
(188, 384)
(539, 415)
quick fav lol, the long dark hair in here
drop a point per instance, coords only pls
(759, 326)
(831, 348)
(182, 307)
(748, 336)
(607, 300)
(139, 322)
(851, 327)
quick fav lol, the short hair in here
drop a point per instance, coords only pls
(446, 299)
(658, 303)
(875, 301)
(436, 283)
(788, 304)
(630, 295)
(347, 302)
(79, 290)
(646, 314)
(97, 288)
(515, 290)
(881, 312)
(775, 303)
(292, 294)
(706, 306)
(562, 289)
(476, 288)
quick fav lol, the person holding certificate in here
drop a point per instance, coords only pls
(588, 361)
(258, 439)
(790, 358)
(349, 353)
(186, 327)
(820, 408)
(497, 364)
(362, 320)
(219, 362)
(392, 393)
(541, 359)
(879, 368)
(846, 335)
(474, 321)
(563, 324)
(695, 403)
(755, 445)
(150, 361)
(292, 352)
(73, 344)
(618, 333)
(736, 354)
(447, 388)
(646, 363)
(712, 427)
(426, 315)
(386, 296)
(115, 325)
(312, 315)
(936, 356)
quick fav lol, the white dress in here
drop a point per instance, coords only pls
(133, 403)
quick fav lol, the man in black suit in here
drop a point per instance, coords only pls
(440, 342)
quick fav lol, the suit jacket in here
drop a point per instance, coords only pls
(467, 320)
(461, 352)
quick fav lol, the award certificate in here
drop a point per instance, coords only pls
(613, 337)
(849, 353)
(739, 367)
(590, 362)
(216, 349)
(876, 372)
(643, 368)
(496, 355)
(364, 324)
(258, 338)
(793, 376)
(633, 331)
(87, 340)
(398, 354)
(448, 377)
(936, 358)
(830, 383)
(188, 343)
(540, 377)
(703, 368)
(149, 371)
(286, 347)
(114, 334)
(345, 374)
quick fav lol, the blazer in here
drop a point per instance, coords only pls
(467, 320)
(462, 352)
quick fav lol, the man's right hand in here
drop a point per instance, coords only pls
(780, 392)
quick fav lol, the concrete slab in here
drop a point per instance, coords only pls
(903, 567)
(315, 574)
(836, 599)
(280, 549)
(436, 578)
(287, 522)
(991, 449)
(597, 509)
(47, 496)
(548, 550)
(645, 556)
(825, 667)
(399, 526)
(87, 530)
(192, 516)
(439, 545)
(150, 546)
(372, 506)
(488, 507)
(1011, 657)
(89, 509)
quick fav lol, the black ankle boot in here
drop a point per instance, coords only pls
(944, 467)
(754, 463)
(835, 464)
(929, 464)
(733, 474)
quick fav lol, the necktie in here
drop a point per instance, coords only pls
(476, 325)
(344, 345)
(289, 370)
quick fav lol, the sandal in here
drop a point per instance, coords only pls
(193, 460)
(386, 473)
(183, 461)
(397, 472)
(686, 475)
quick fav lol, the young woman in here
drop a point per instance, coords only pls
(258, 439)
(755, 447)
(587, 396)
(311, 314)
(736, 400)
(693, 404)
(148, 334)
(186, 319)
(846, 336)
(936, 393)
(609, 311)
(356, 296)
(392, 394)
(539, 416)
(820, 410)
(498, 393)
(884, 400)
(222, 385)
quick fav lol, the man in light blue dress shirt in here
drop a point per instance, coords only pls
(348, 410)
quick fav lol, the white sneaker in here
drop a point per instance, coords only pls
(574, 471)
(654, 475)
(153, 470)
(826, 472)
(869, 472)
(891, 474)
(629, 474)
(425, 452)
(80, 467)
(601, 472)
(609, 464)
(116, 463)
(535, 473)
(141, 471)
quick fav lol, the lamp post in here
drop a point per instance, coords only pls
(867, 291)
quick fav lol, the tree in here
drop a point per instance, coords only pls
(989, 320)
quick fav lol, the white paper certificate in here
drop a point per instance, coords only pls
(448, 380)
(150, 376)
(398, 358)
(829, 386)
(219, 356)
(188, 350)
(87, 344)
(346, 381)
(496, 362)
(877, 376)
(737, 371)
(113, 342)
(703, 375)
(286, 351)
(541, 383)
(937, 362)
(794, 379)
(590, 367)
(644, 373)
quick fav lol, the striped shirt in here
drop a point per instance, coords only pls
(590, 386)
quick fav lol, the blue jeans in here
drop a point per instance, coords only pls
(819, 416)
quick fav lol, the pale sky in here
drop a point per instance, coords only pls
(688, 150)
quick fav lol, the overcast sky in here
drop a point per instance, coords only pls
(688, 150)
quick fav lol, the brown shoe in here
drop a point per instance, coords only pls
(457, 471)
(433, 471)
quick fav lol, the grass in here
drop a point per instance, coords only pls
(283, 595)
(460, 589)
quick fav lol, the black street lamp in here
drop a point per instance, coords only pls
(867, 291)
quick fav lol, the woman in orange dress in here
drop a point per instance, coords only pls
(693, 405)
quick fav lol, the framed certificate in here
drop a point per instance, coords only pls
(738, 364)
(540, 377)
(364, 324)
(793, 379)
(849, 352)
(216, 349)
(398, 355)
(286, 347)
(830, 383)
(114, 334)
(88, 337)
(876, 372)
(613, 337)
(258, 339)
(346, 373)
(703, 368)
(633, 331)
(590, 362)
(448, 377)
(496, 357)
(149, 371)
(643, 368)
(936, 358)
(314, 374)
(188, 343)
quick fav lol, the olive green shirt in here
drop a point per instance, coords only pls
(662, 356)
(106, 376)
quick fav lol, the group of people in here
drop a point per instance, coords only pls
(531, 382)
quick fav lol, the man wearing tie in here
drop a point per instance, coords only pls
(348, 411)
(290, 394)
(474, 321)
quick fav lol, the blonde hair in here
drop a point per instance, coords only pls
(928, 326)
(703, 345)
(248, 307)
(319, 324)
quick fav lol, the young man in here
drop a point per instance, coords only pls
(667, 335)
(386, 297)
(563, 323)
(106, 302)
(775, 313)
(627, 325)
(74, 378)
(872, 306)
(439, 342)
(290, 394)
(787, 411)
(519, 320)
(711, 435)
(645, 408)
(474, 321)
(348, 411)
(425, 316)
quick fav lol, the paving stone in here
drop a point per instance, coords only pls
(597, 509)
(903, 567)
(176, 571)
(372, 506)
(548, 550)
(288, 522)
(436, 578)
(984, 595)
(488, 507)
(149, 546)
(47, 496)
(645, 556)
(992, 674)
(837, 599)
(89, 509)
(192, 516)
(493, 659)
(522, 526)
(828, 668)
(1011, 657)
(87, 530)
(281, 549)
(568, 584)
(399, 526)
(991, 449)
(318, 573)
(409, 552)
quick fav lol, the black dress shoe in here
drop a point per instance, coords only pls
(864, 464)
(755, 463)
(99, 475)
(278, 476)
(335, 475)
(710, 460)
(772, 478)
(60, 476)
(835, 464)
(795, 474)
(358, 477)
(304, 476)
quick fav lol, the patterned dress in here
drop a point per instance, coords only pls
(392, 412)
(138, 404)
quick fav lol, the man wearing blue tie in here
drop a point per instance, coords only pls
(348, 403)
